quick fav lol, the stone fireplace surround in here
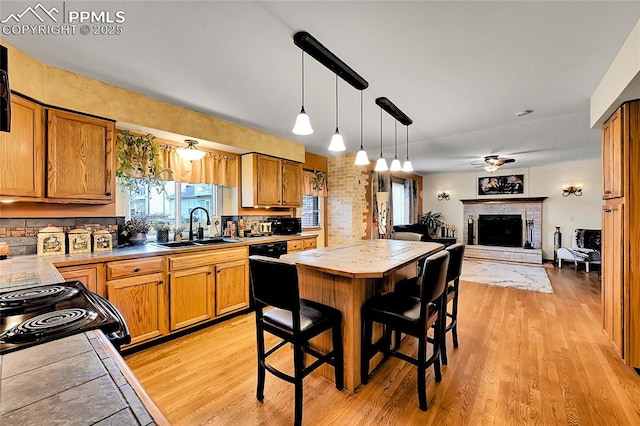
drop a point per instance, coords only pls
(528, 208)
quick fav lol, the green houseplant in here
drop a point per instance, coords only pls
(135, 229)
(432, 220)
(140, 163)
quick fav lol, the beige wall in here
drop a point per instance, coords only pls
(568, 213)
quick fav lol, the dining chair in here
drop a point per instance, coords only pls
(274, 283)
(414, 316)
(408, 236)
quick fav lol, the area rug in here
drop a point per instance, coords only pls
(523, 277)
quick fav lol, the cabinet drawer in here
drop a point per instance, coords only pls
(207, 258)
(135, 267)
(295, 245)
(310, 243)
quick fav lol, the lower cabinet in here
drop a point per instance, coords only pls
(190, 296)
(300, 245)
(89, 275)
(232, 289)
(137, 288)
(612, 274)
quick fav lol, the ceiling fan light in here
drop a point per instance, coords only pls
(362, 159)
(303, 124)
(395, 165)
(381, 165)
(190, 152)
(407, 166)
(337, 143)
(491, 168)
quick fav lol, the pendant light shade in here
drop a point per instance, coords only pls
(395, 164)
(407, 166)
(190, 152)
(362, 159)
(303, 124)
(381, 164)
(337, 143)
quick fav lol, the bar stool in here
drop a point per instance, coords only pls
(412, 316)
(274, 282)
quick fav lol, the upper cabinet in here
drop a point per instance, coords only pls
(270, 182)
(79, 152)
(612, 157)
(22, 159)
(79, 158)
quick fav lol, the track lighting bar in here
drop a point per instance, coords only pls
(314, 48)
(393, 111)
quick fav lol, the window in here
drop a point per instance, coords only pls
(400, 198)
(311, 211)
(174, 204)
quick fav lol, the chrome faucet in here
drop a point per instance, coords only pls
(191, 220)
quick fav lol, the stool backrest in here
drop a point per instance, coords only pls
(274, 282)
(407, 236)
(456, 253)
(433, 277)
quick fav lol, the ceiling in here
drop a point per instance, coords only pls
(460, 70)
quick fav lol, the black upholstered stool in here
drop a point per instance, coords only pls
(274, 283)
(409, 315)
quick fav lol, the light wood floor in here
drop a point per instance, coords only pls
(524, 358)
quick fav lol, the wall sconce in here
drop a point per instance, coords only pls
(575, 190)
(443, 195)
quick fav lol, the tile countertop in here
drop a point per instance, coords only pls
(79, 380)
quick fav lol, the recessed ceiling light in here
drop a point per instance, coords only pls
(525, 112)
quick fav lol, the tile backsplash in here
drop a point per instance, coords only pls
(22, 234)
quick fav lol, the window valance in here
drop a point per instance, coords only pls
(214, 168)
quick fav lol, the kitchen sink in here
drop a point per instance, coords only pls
(172, 244)
(215, 240)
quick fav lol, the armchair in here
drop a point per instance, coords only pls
(585, 247)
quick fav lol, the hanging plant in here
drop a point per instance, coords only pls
(318, 181)
(140, 163)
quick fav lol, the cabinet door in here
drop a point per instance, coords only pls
(142, 302)
(294, 246)
(291, 184)
(232, 286)
(80, 158)
(612, 157)
(612, 274)
(22, 158)
(269, 181)
(87, 275)
(190, 296)
(310, 243)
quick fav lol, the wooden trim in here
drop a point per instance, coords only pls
(146, 400)
(504, 200)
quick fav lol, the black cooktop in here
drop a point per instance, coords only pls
(34, 315)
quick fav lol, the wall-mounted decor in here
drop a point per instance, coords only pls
(500, 185)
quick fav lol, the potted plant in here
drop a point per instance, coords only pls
(177, 236)
(432, 221)
(140, 163)
(136, 230)
(162, 231)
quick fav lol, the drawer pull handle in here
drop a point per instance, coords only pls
(161, 282)
(108, 194)
(137, 270)
(607, 211)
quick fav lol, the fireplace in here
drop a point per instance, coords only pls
(503, 230)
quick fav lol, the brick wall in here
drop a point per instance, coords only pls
(348, 201)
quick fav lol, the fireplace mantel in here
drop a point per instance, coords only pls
(504, 200)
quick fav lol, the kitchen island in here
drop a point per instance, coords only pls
(346, 276)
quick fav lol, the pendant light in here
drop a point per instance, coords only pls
(190, 152)
(361, 157)
(395, 164)
(303, 125)
(337, 144)
(407, 166)
(381, 164)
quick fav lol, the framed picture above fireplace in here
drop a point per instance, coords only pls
(501, 185)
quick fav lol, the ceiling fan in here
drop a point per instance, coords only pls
(493, 162)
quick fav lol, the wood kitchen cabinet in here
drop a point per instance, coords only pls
(621, 232)
(232, 286)
(191, 290)
(137, 289)
(89, 275)
(80, 158)
(300, 245)
(270, 182)
(22, 159)
(613, 166)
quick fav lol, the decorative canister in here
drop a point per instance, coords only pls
(102, 240)
(51, 241)
(79, 241)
